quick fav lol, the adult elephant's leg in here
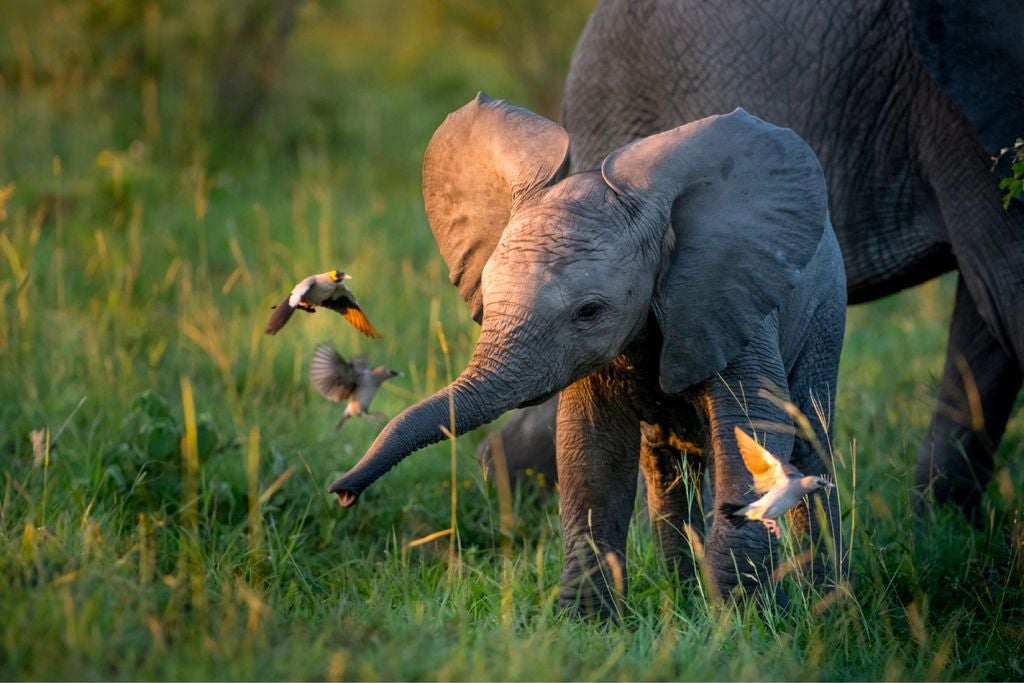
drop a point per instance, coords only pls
(813, 392)
(979, 385)
(987, 240)
(528, 445)
(598, 451)
(986, 349)
(741, 558)
(673, 473)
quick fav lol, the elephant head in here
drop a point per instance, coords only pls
(702, 229)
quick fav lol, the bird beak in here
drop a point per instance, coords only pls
(829, 485)
(346, 276)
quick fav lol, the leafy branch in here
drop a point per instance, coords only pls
(1014, 183)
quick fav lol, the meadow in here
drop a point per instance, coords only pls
(163, 463)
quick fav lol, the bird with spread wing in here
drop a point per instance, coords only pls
(342, 381)
(780, 485)
(327, 290)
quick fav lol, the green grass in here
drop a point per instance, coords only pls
(172, 521)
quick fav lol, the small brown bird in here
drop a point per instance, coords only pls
(327, 290)
(780, 484)
(340, 381)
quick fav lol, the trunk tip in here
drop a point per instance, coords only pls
(346, 498)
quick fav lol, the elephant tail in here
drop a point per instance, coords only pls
(733, 513)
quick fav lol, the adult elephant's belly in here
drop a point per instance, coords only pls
(891, 235)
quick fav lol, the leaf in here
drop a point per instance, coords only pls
(162, 441)
(114, 473)
(151, 404)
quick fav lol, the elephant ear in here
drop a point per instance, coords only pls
(747, 203)
(483, 161)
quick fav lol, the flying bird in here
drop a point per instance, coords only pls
(327, 290)
(340, 381)
(780, 485)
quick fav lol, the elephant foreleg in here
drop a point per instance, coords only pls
(979, 385)
(817, 516)
(742, 558)
(813, 393)
(598, 452)
(673, 472)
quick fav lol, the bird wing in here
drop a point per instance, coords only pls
(300, 290)
(767, 470)
(345, 303)
(282, 312)
(340, 300)
(332, 375)
(358, 319)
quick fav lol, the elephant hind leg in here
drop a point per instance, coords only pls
(979, 385)
(673, 473)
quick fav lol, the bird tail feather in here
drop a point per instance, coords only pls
(731, 511)
(282, 312)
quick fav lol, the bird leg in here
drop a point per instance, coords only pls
(308, 308)
(341, 422)
(773, 527)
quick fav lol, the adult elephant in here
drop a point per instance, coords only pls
(686, 288)
(904, 101)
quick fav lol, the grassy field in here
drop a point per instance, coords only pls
(163, 463)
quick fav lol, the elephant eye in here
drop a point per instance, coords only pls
(589, 311)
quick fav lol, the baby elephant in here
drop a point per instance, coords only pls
(689, 285)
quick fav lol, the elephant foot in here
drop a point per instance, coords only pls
(980, 383)
(951, 471)
(741, 561)
(592, 587)
(815, 526)
(679, 558)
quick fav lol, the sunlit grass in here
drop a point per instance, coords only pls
(169, 519)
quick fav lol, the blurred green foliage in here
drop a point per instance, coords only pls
(296, 70)
(143, 458)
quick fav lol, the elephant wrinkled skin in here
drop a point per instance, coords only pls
(904, 101)
(685, 288)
